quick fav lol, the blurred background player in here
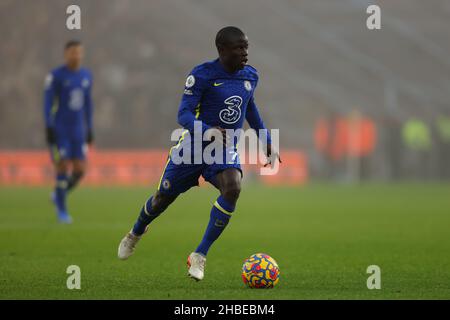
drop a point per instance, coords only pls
(68, 120)
(219, 94)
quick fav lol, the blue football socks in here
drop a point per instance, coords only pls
(146, 216)
(220, 215)
(60, 192)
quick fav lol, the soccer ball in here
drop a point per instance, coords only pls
(260, 271)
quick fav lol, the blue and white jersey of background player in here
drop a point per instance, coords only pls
(219, 98)
(68, 110)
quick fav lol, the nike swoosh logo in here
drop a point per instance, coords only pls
(217, 84)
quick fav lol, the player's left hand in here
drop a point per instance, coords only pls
(272, 156)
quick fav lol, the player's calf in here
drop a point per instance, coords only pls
(161, 201)
(74, 179)
(59, 194)
(79, 168)
(152, 208)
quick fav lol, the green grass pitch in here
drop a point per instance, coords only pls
(323, 237)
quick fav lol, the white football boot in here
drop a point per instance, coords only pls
(196, 263)
(127, 245)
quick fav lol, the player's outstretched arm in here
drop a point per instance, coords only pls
(255, 121)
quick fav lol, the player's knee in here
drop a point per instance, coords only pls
(76, 178)
(79, 167)
(231, 192)
(62, 167)
(230, 185)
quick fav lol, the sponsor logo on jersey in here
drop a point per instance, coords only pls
(232, 113)
(76, 99)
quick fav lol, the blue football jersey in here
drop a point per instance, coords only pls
(67, 100)
(219, 98)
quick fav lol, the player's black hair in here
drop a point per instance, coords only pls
(72, 43)
(224, 35)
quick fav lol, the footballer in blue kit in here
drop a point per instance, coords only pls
(68, 119)
(218, 95)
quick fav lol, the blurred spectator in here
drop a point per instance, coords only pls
(362, 140)
(417, 137)
(443, 146)
(346, 143)
(394, 148)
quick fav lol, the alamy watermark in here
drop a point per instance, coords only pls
(374, 280)
(73, 21)
(373, 22)
(74, 280)
(232, 146)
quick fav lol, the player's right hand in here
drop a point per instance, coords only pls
(50, 135)
(272, 156)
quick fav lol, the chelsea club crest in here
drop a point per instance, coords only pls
(166, 184)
